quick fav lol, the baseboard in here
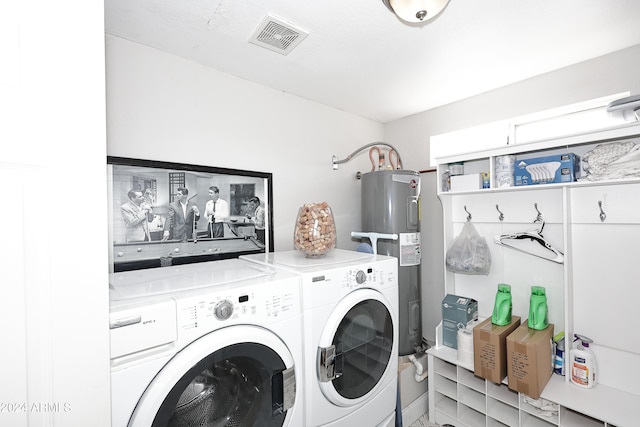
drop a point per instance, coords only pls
(415, 409)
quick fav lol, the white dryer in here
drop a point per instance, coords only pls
(350, 302)
(215, 343)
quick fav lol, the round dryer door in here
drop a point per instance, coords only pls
(355, 347)
(237, 376)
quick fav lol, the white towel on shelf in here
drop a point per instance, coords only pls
(616, 160)
(542, 406)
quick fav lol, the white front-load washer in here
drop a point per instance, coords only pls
(350, 303)
(215, 343)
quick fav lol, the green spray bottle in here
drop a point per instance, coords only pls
(502, 308)
(538, 309)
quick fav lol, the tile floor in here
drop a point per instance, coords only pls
(423, 421)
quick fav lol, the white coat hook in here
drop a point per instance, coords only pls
(501, 217)
(539, 217)
(603, 215)
(468, 213)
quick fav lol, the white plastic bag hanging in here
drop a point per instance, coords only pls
(469, 253)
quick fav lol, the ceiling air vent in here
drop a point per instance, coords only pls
(277, 35)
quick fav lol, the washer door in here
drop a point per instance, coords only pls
(236, 376)
(355, 348)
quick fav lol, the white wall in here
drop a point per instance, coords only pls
(53, 260)
(161, 107)
(606, 75)
(165, 108)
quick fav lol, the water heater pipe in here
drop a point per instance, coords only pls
(336, 162)
(420, 371)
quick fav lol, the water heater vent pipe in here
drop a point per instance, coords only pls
(336, 162)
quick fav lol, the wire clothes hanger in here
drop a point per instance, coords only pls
(550, 253)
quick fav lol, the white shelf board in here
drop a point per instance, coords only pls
(602, 402)
(629, 130)
(448, 354)
(502, 412)
(445, 353)
(539, 187)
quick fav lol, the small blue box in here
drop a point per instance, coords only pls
(547, 170)
(457, 313)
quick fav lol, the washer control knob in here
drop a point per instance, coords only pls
(223, 310)
(361, 277)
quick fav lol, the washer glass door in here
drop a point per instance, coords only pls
(217, 382)
(355, 361)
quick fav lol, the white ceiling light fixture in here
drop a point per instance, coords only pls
(416, 11)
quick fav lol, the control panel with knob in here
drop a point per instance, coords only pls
(361, 277)
(223, 310)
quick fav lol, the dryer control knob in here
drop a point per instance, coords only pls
(361, 277)
(223, 310)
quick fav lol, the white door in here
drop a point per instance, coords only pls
(236, 376)
(355, 348)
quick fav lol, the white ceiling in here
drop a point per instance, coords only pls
(359, 57)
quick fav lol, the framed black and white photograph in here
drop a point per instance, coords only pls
(164, 213)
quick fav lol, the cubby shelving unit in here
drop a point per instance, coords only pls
(458, 397)
(593, 292)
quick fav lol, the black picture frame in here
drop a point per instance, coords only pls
(146, 230)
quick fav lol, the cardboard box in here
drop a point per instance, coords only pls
(529, 359)
(547, 170)
(490, 349)
(472, 181)
(457, 313)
